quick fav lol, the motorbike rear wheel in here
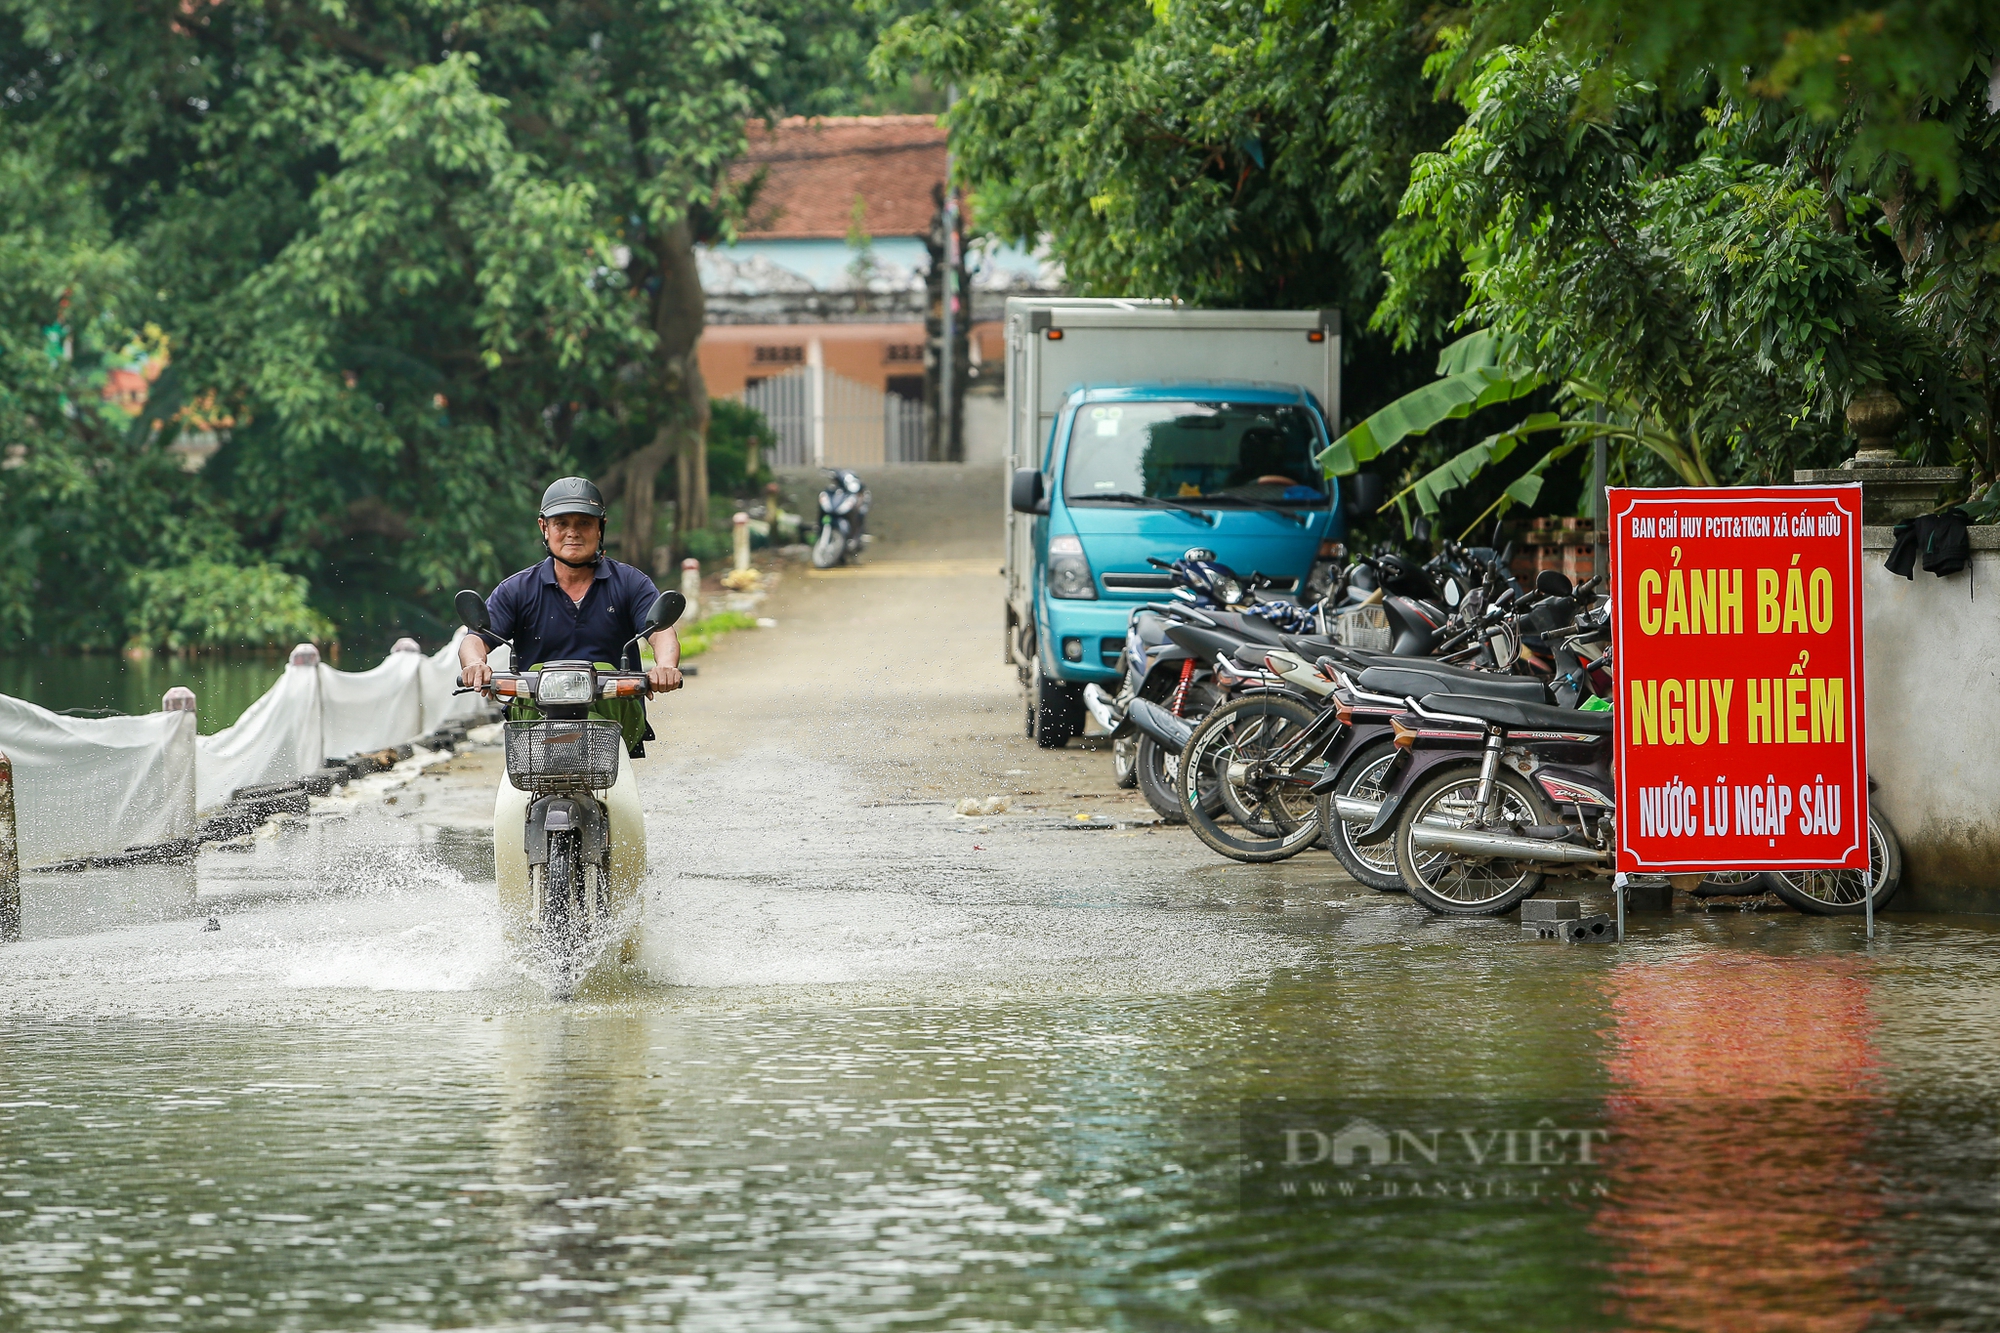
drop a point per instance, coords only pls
(1275, 818)
(1840, 892)
(1453, 885)
(1732, 884)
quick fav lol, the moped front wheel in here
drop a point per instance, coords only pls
(563, 916)
(1125, 761)
(1228, 755)
(830, 549)
(1363, 779)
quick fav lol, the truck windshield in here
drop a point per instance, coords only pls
(1248, 454)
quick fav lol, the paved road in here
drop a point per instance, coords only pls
(800, 810)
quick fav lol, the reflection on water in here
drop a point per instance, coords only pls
(223, 687)
(1749, 1174)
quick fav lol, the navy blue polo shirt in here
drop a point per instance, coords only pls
(532, 610)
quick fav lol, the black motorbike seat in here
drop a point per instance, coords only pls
(1416, 681)
(1310, 646)
(1204, 643)
(1253, 629)
(1251, 655)
(1522, 716)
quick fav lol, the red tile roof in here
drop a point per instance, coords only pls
(815, 169)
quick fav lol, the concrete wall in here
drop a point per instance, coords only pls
(1934, 722)
(986, 429)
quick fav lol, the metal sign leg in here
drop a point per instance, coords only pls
(1618, 894)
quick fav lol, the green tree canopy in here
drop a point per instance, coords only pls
(419, 257)
(1230, 154)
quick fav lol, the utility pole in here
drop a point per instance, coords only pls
(1600, 510)
(948, 363)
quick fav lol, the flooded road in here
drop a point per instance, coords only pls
(884, 1066)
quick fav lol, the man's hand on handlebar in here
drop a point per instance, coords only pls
(663, 678)
(475, 675)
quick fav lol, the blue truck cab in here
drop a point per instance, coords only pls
(1132, 471)
(1143, 428)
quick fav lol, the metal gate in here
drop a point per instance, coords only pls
(822, 418)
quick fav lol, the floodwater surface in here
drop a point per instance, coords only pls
(887, 1068)
(104, 683)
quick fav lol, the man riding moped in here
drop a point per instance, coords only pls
(569, 840)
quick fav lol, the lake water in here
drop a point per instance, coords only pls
(223, 687)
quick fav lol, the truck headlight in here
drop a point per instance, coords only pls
(1069, 572)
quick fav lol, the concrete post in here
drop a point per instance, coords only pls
(691, 589)
(180, 699)
(10, 857)
(739, 540)
(816, 386)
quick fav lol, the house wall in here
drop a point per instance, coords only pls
(733, 354)
(1933, 648)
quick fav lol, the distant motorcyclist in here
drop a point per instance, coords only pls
(577, 605)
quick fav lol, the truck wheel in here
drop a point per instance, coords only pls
(1055, 711)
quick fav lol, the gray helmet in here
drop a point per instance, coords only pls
(572, 495)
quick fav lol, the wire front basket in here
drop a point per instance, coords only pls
(562, 756)
(1364, 627)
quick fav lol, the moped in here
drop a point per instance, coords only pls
(569, 839)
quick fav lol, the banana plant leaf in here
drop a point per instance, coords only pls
(1474, 375)
(1461, 468)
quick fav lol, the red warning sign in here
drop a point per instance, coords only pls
(1736, 622)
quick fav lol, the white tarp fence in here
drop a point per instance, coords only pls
(94, 786)
(89, 785)
(315, 713)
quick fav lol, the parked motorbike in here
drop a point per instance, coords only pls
(1263, 755)
(1172, 682)
(569, 882)
(843, 519)
(1489, 797)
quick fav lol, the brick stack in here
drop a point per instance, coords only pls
(1566, 544)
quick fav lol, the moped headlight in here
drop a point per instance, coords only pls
(563, 687)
